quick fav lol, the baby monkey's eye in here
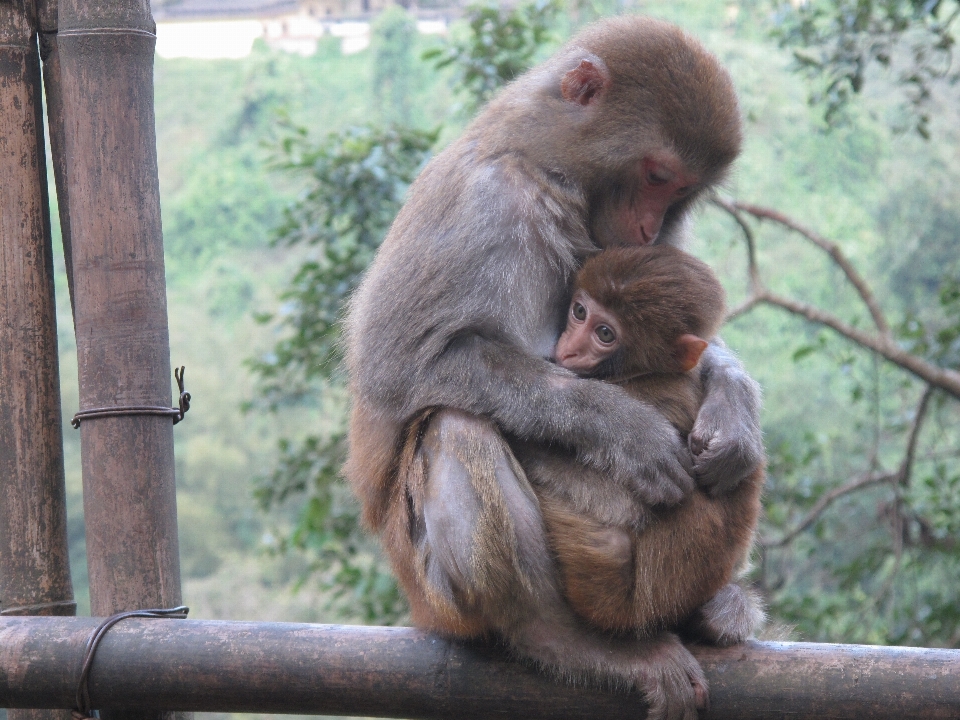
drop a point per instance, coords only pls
(605, 334)
(579, 312)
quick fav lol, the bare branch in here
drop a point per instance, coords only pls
(941, 378)
(743, 308)
(832, 249)
(731, 208)
(882, 344)
(884, 593)
(826, 501)
(900, 476)
(919, 416)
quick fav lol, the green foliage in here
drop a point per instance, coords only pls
(343, 556)
(357, 181)
(935, 505)
(394, 35)
(838, 42)
(937, 339)
(501, 43)
(882, 598)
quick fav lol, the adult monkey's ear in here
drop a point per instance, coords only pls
(584, 84)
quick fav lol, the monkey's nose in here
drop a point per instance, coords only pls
(650, 229)
(565, 357)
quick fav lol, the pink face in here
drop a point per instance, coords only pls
(663, 181)
(591, 336)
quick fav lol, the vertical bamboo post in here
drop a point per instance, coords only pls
(34, 558)
(106, 52)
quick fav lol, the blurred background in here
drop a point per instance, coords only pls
(288, 132)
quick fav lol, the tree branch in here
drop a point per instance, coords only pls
(731, 207)
(941, 378)
(832, 249)
(906, 467)
(743, 308)
(883, 343)
(901, 476)
(826, 501)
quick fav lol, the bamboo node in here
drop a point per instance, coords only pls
(122, 31)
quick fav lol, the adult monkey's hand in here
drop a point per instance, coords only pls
(726, 441)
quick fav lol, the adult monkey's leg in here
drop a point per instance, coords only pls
(483, 560)
(474, 522)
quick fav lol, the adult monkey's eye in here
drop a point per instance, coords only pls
(657, 178)
(605, 334)
(579, 312)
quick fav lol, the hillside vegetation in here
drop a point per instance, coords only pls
(831, 410)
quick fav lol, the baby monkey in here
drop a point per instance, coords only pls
(640, 317)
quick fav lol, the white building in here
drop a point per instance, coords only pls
(228, 28)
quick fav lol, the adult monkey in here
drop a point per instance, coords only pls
(448, 335)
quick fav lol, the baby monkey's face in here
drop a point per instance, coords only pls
(592, 335)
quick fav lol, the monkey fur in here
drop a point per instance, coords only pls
(626, 567)
(448, 338)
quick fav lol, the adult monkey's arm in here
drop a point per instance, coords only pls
(530, 398)
(726, 441)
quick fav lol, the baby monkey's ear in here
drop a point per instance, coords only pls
(687, 351)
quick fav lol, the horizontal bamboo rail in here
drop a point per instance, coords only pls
(402, 672)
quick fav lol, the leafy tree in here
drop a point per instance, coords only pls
(858, 548)
(860, 543)
(357, 181)
(838, 42)
(501, 42)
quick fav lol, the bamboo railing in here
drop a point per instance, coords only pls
(402, 672)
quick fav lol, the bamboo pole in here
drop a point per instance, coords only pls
(34, 560)
(106, 62)
(34, 557)
(106, 52)
(401, 672)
